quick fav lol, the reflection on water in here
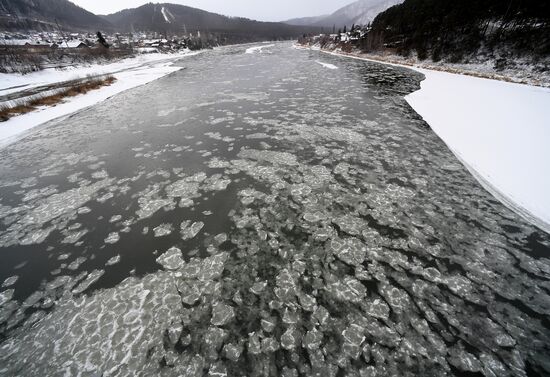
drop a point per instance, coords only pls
(260, 214)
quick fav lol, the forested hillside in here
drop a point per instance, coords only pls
(48, 15)
(180, 19)
(456, 30)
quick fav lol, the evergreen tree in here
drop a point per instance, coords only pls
(102, 40)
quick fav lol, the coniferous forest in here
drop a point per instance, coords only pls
(455, 30)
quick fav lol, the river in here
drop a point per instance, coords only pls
(262, 214)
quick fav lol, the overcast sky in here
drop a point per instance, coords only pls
(263, 10)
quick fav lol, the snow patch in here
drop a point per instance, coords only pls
(168, 17)
(257, 49)
(327, 65)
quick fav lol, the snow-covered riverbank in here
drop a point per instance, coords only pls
(129, 73)
(499, 130)
(520, 72)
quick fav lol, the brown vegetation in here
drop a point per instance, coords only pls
(24, 59)
(25, 106)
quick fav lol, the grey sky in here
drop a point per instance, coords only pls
(277, 10)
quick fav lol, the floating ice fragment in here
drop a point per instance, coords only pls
(282, 158)
(269, 345)
(349, 250)
(289, 339)
(378, 309)
(233, 351)
(58, 282)
(74, 237)
(190, 292)
(312, 340)
(349, 289)
(353, 338)
(84, 210)
(217, 370)
(90, 279)
(112, 238)
(76, 263)
(172, 259)
(114, 260)
(258, 287)
(115, 218)
(163, 230)
(37, 236)
(254, 345)
(222, 314)
(10, 281)
(6, 296)
(326, 65)
(189, 232)
(149, 206)
(102, 174)
(220, 238)
(268, 325)
(212, 267)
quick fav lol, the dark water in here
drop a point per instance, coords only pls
(261, 214)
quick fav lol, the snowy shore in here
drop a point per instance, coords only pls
(521, 72)
(499, 130)
(129, 73)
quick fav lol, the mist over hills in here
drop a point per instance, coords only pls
(360, 13)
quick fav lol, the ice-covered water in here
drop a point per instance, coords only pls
(293, 220)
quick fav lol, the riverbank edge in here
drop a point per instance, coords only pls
(465, 69)
(484, 178)
(19, 126)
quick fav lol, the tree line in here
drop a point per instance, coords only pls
(456, 29)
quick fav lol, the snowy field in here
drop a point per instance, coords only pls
(499, 130)
(128, 72)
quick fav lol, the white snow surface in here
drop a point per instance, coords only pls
(327, 65)
(364, 11)
(257, 49)
(166, 13)
(10, 83)
(129, 73)
(499, 130)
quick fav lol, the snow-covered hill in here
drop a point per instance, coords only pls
(360, 12)
(364, 11)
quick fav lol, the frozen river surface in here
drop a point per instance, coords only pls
(274, 213)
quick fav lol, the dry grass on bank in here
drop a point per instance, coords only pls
(28, 105)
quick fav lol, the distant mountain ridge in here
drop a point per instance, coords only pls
(48, 14)
(306, 21)
(166, 17)
(161, 18)
(360, 12)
